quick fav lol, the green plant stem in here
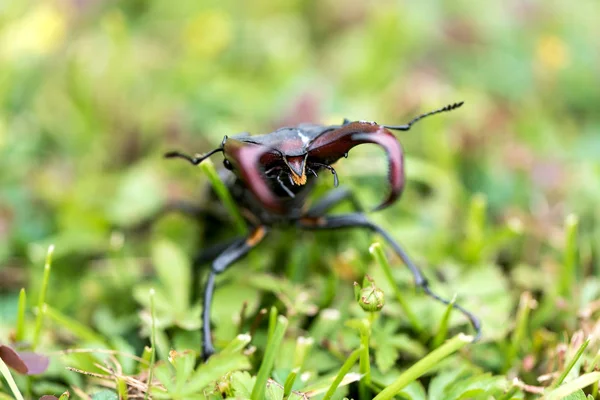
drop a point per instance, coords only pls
(42, 299)
(237, 344)
(569, 271)
(303, 346)
(20, 330)
(520, 331)
(121, 388)
(377, 253)
(152, 343)
(258, 391)
(442, 332)
(475, 228)
(348, 364)
(592, 365)
(365, 363)
(223, 193)
(424, 365)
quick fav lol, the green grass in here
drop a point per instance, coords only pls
(500, 207)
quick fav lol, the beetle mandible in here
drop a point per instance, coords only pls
(275, 173)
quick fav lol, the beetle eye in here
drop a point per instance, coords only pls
(227, 164)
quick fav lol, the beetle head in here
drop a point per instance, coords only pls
(261, 160)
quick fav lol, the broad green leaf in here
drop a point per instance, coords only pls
(216, 366)
(475, 385)
(174, 273)
(483, 291)
(164, 374)
(138, 195)
(105, 395)
(414, 391)
(443, 380)
(184, 363)
(274, 391)
(578, 395)
(385, 356)
(242, 384)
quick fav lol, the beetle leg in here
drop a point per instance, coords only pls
(331, 199)
(287, 190)
(233, 253)
(271, 170)
(359, 220)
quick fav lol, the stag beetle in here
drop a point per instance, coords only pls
(275, 172)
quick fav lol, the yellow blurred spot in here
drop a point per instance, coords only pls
(115, 24)
(38, 32)
(333, 120)
(208, 33)
(552, 53)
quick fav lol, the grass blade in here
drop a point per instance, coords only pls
(76, 327)
(348, 364)
(525, 305)
(365, 360)
(571, 363)
(573, 386)
(424, 365)
(442, 332)
(258, 392)
(152, 343)
(20, 330)
(289, 382)
(569, 271)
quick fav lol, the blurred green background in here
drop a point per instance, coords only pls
(93, 92)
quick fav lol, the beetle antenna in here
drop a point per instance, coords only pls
(406, 127)
(196, 159)
(336, 182)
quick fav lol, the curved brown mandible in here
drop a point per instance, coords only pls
(332, 145)
(246, 159)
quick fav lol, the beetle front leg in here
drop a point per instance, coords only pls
(359, 220)
(233, 253)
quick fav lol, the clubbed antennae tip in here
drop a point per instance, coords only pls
(451, 107)
(454, 106)
(406, 127)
